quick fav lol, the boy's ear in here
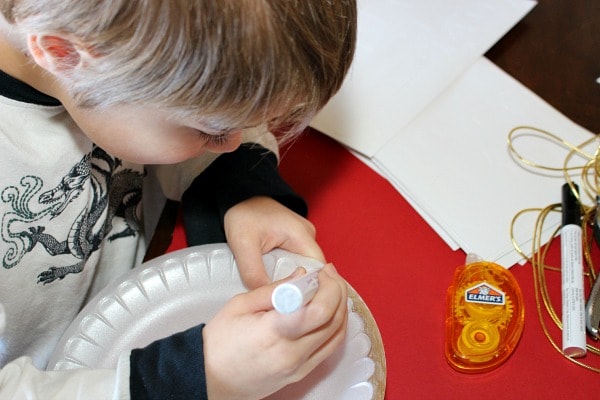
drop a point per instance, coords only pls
(55, 54)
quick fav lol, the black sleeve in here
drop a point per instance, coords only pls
(249, 171)
(170, 368)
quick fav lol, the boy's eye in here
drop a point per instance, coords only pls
(214, 139)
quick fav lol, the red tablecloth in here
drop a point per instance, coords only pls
(402, 269)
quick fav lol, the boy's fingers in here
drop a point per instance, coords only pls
(325, 350)
(328, 304)
(307, 248)
(250, 264)
(259, 299)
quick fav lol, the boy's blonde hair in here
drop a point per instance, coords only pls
(228, 61)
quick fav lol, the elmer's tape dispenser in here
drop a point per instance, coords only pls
(485, 316)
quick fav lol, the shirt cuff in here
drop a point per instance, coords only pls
(170, 368)
(249, 171)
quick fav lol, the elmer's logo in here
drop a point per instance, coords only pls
(485, 294)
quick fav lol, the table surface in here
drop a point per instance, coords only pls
(400, 266)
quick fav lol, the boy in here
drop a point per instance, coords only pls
(93, 91)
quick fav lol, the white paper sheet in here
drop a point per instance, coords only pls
(423, 108)
(432, 222)
(407, 53)
(453, 163)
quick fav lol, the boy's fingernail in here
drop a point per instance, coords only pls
(298, 271)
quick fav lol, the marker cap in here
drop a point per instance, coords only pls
(287, 298)
(571, 210)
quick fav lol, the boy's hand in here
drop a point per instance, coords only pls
(251, 350)
(260, 224)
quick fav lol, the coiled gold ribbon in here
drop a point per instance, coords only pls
(588, 169)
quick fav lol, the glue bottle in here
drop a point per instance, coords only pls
(485, 316)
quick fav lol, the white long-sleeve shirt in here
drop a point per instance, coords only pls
(71, 224)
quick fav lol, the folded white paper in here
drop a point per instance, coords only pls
(425, 109)
(407, 53)
(453, 161)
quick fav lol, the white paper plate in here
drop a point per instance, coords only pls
(185, 288)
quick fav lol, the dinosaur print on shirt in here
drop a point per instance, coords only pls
(106, 190)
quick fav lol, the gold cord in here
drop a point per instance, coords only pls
(590, 184)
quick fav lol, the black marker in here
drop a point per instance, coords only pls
(573, 302)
